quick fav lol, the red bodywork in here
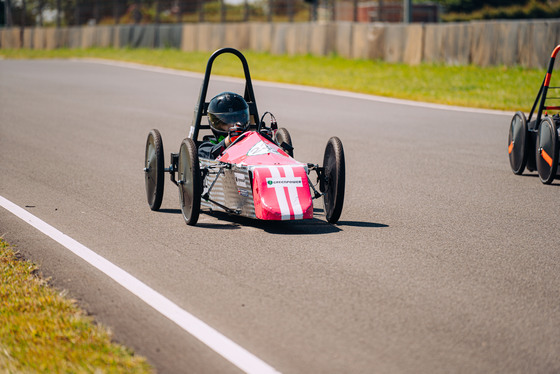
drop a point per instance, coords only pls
(279, 183)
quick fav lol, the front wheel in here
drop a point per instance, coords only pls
(189, 182)
(153, 169)
(333, 179)
(284, 140)
(547, 150)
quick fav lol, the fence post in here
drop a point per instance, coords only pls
(115, 11)
(137, 12)
(8, 13)
(246, 12)
(179, 8)
(200, 10)
(407, 11)
(158, 10)
(96, 15)
(291, 10)
(22, 28)
(77, 13)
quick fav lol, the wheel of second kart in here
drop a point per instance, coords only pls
(547, 150)
(189, 181)
(517, 143)
(283, 136)
(334, 179)
(153, 169)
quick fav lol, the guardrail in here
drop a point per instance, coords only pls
(509, 43)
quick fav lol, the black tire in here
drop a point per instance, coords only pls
(547, 150)
(154, 169)
(189, 181)
(334, 182)
(283, 136)
(518, 143)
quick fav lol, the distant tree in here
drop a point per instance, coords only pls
(468, 6)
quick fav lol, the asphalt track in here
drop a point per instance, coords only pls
(443, 260)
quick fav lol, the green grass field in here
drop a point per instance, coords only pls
(44, 332)
(505, 88)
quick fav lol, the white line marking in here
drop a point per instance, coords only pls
(229, 350)
(323, 91)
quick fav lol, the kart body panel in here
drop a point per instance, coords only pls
(256, 178)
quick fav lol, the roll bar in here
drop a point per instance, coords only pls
(541, 96)
(201, 108)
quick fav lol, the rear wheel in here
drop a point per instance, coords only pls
(517, 143)
(547, 150)
(334, 179)
(190, 186)
(283, 136)
(153, 169)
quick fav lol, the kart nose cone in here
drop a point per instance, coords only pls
(282, 193)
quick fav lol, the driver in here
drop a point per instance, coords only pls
(228, 116)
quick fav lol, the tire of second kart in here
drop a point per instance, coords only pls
(547, 150)
(517, 143)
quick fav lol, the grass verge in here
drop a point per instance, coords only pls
(43, 332)
(505, 88)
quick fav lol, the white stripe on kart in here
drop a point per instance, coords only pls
(293, 194)
(280, 194)
(220, 344)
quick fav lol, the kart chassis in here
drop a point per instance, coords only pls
(535, 143)
(198, 180)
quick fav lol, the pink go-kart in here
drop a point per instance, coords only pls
(256, 176)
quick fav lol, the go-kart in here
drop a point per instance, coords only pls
(256, 176)
(535, 143)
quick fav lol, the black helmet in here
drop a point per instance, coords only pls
(226, 110)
